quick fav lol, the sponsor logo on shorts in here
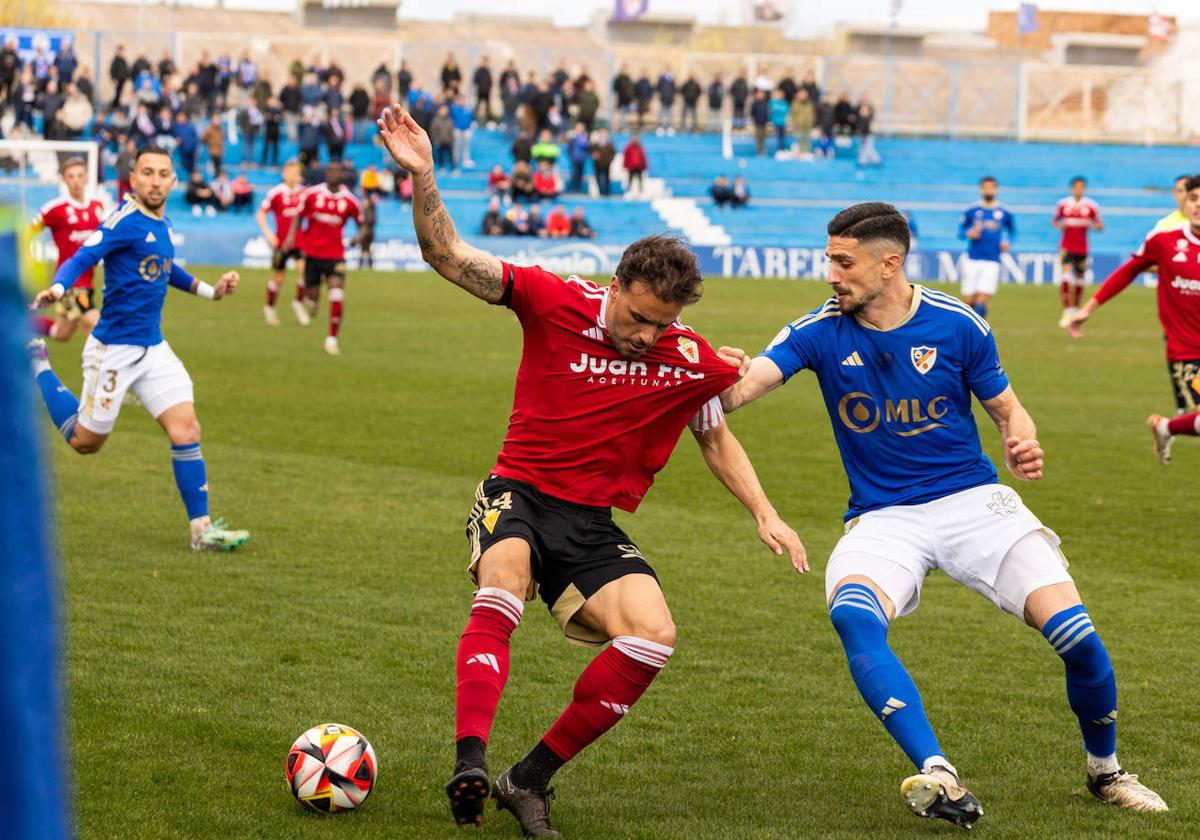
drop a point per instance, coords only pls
(1003, 503)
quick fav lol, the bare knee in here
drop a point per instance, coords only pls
(657, 629)
(87, 447)
(185, 432)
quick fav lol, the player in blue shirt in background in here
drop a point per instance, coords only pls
(126, 350)
(897, 365)
(983, 225)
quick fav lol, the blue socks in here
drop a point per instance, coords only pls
(190, 478)
(1091, 686)
(980, 309)
(882, 681)
(61, 403)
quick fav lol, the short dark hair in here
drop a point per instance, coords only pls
(1193, 183)
(149, 150)
(987, 178)
(1077, 179)
(871, 221)
(1179, 178)
(666, 265)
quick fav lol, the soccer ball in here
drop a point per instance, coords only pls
(331, 768)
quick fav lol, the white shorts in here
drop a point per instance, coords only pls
(155, 375)
(980, 277)
(975, 536)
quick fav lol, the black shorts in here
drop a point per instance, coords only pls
(316, 270)
(574, 549)
(75, 303)
(1185, 380)
(280, 259)
(1077, 262)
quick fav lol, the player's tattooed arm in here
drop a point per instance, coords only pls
(731, 465)
(1022, 453)
(478, 272)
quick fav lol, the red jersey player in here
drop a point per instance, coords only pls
(324, 211)
(1176, 254)
(608, 380)
(283, 203)
(71, 220)
(1075, 215)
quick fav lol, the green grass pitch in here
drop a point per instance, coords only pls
(191, 674)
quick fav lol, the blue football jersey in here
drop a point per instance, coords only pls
(995, 221)
(139, 262)
(900, 399)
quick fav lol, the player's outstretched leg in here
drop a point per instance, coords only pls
(861, 622)
(1164, 429)
(481, 670)
(61, 403)
(1092, 694)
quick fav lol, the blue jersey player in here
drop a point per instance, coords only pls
(126, 350)
(984, 225)
(898, 365)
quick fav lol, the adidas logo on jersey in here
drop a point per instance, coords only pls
(594, 332)
(853, 360)
(616, 708)
(488, 659)
(150, 237)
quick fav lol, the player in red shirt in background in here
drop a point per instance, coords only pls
(324, 211)
(283, 203)
(1176, 254)
(1075, 215)
(608, 380)
(71, 220)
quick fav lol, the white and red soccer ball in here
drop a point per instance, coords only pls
(331, 768)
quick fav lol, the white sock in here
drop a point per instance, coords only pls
(938, 761)
(1099, 766)
(1161, 428)
(40, 366)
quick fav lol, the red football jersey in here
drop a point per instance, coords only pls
(326, 213)
(587, 425)
(70, 223)
(1177, 255)
(1077, 216)
(284, 205)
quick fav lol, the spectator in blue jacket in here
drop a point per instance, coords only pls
(643, 91)
(666, 102)
(188, 140)
(311, 94)
(463, 117)
(779, 108)
(579, 151)
(66, 62)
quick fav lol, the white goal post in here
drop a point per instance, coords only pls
(38, 162)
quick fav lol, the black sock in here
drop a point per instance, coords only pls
(471, 752)
(534, 771)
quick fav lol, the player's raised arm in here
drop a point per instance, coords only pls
(478, 272)
(1022, 452)
(1143, 260)
(731, 465)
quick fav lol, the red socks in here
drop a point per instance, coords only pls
(43, 325)
(481, 667)
(1064, 291)
(606, 689)
(1077, 295)
(1185, 424)
(335, 311)
(272, 293)
(300, 290)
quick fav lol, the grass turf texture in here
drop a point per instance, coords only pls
(191, 674)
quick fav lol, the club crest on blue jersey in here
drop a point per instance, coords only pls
(923, 358)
